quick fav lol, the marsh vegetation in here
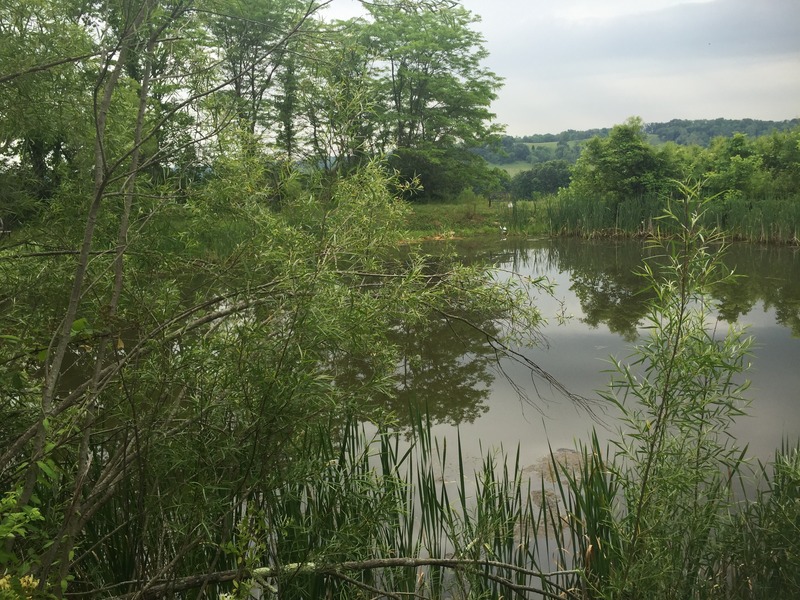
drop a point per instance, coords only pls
(208, 315)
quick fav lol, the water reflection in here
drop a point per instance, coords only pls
(771, 275)
(604, 279)
(451, 370)
(602, 275)
(446, 369)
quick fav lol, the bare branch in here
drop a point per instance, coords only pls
(338, 570)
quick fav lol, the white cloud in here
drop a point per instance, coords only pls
(579, 64)
(726, 58)
(592, 10)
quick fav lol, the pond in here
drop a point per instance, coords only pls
(455, 373)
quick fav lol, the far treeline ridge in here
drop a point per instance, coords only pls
(538, 147)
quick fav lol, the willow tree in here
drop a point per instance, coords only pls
(41, 132)
(171, 348)
(89, 291)
(247, 33)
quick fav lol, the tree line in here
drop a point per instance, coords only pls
(213, 78)
(681, 131)
(755, 176)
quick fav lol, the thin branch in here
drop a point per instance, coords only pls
(182, 326)
(53, 253)
(503, 348)
(359, 584)
(49, 65)
(337, 570)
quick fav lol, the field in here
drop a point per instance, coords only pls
(515, 167)
(442, 221)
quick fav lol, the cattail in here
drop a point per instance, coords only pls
(587, 558)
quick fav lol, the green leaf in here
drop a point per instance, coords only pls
(79, 325)
(46, 468)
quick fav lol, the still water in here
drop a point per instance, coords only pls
(455, 373)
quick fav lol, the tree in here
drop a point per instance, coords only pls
(433, 94)
(255, 49)
(42, 134)
(676, 460)
(52, 450)
(780, 155)
(756, 169)
(434, 89)
(621, 167)
(336, 99)
(170, 349)
(541, 178)
(441, 173)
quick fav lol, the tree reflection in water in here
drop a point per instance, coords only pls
(448, 368)
(603, 277)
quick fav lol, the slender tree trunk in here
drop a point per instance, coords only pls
(107, 84)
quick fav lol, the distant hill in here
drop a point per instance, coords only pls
(517, 153)
(686, 132)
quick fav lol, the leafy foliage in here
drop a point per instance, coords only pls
(621, 184)
(185, 288)
(543, 178)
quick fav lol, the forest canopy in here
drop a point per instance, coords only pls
(216, 77)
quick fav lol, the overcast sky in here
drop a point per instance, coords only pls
(581, 64)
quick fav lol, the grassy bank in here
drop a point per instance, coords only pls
(474, 216)
(775, 221)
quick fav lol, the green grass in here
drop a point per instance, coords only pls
(449, 220)
(454, 220)
(515, 167)
(551, 145)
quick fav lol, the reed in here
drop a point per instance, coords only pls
(764, 536)
(365, 510)
(521, 216)
(772, 220)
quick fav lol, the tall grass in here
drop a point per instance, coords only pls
(385, 522)
(386, 495)
(765, 535)
(775, 220)
(569, 214)
(655, 515)
(667, 511)
(522, 217)
(763, 220)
